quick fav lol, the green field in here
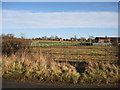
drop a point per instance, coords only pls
(48, 43)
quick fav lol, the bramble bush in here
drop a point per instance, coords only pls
(11, 44)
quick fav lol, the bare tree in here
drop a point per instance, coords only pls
(22, 35)
(10, 35)
(52, 37)
(82, 39)
(91, 39)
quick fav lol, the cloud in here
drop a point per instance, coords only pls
(25, 19)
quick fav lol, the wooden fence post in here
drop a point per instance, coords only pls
(105, 56)
(91, 55)
(39, 53)
(51, 53)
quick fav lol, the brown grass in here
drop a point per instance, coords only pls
(35, 66)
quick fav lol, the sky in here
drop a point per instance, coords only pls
(63, 19)
(60, 0)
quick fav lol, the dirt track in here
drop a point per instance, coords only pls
(15, 84)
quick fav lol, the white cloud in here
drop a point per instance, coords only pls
(24, 19)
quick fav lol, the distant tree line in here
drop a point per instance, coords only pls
(48, 38)
(56, 38)
(91, 39)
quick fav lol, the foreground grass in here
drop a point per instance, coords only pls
(38, 70)
(35, 67)
(101, 73)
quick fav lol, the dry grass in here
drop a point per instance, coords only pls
(32, 64)
(35, 66)
(80, 53)
(98, 72)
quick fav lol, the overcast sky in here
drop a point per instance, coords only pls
(64, 19)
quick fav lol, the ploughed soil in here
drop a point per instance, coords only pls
(42, 84)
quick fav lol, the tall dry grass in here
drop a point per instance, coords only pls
(99, 72)
(31, 65)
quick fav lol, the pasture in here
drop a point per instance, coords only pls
(80, 53)
(50, 43)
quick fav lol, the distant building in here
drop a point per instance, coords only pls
(107, 41)
(60, 39)
(72, 39)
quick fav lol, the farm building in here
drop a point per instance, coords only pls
(107, 41)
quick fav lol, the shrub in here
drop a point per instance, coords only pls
(12, 45)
